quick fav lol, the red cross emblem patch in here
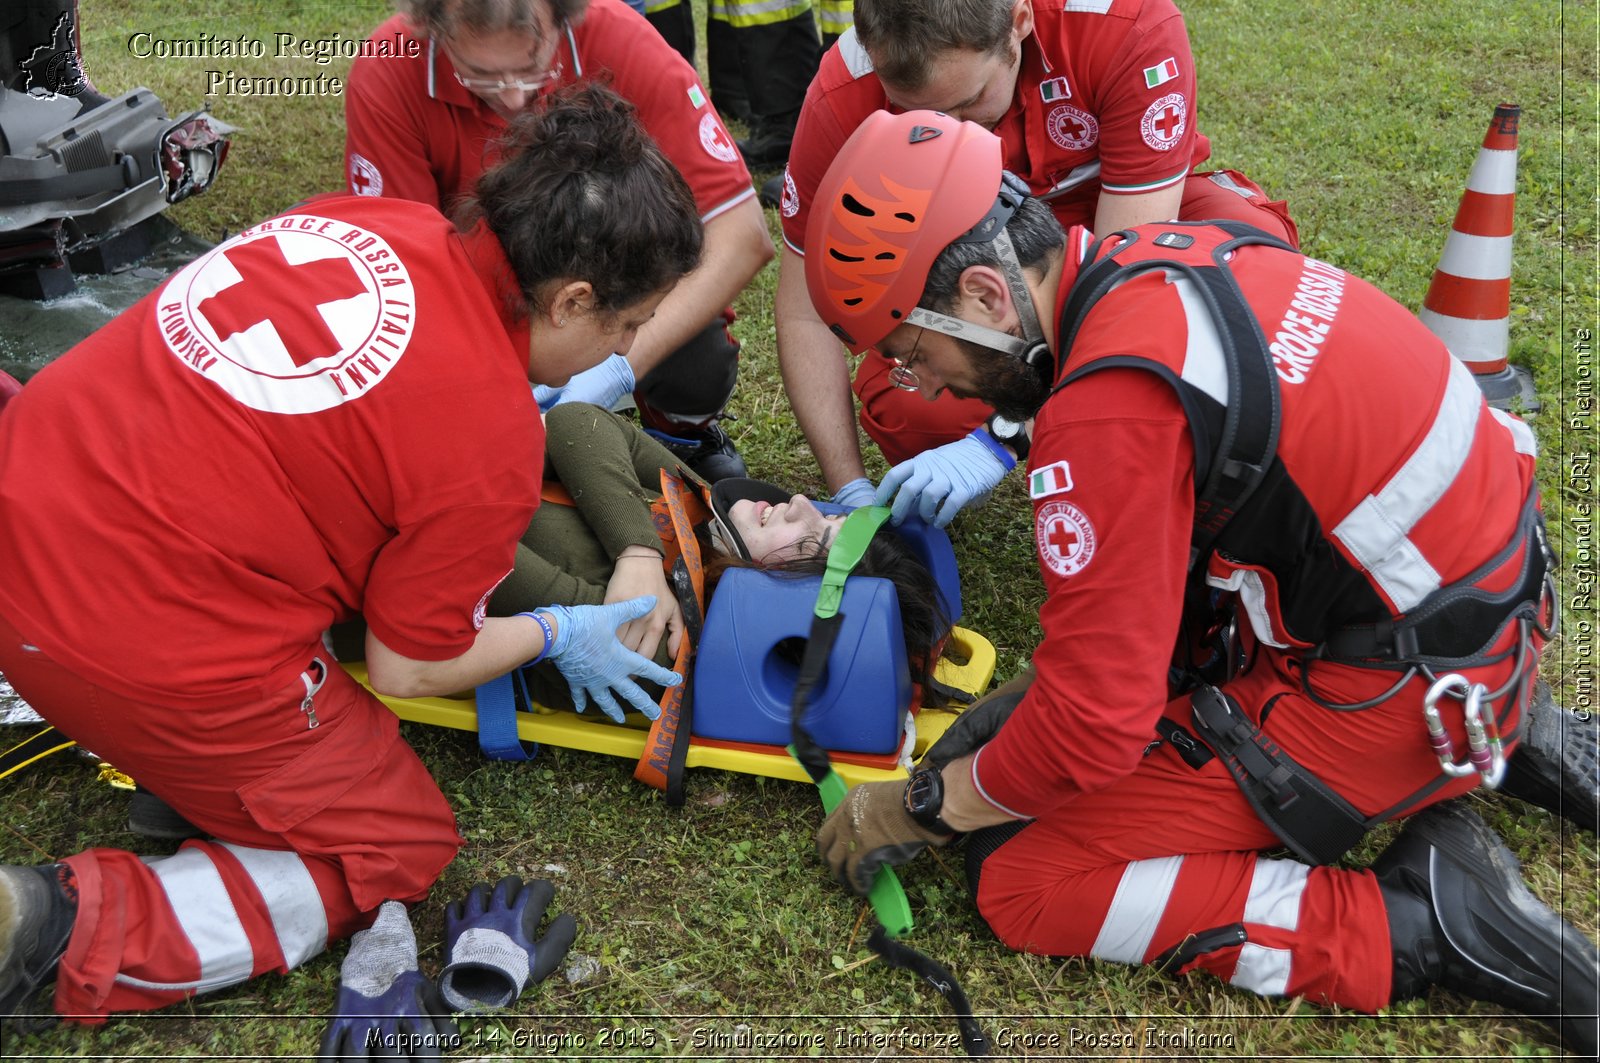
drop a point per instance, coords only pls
(1065, 538)
(295, 315)
(1164, 121)
(1072, 129)
(365, 178)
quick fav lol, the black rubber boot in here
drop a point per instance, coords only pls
(1557, 764)
(1461, 917)
(38, 906)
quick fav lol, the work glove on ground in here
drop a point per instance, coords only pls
(387, 1009)
(602, 385)
(857, 493)
(973, 729)
(595, 663)
(871, 828)
(491, 951)
(938, 483)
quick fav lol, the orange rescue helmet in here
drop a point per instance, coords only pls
(902, 189)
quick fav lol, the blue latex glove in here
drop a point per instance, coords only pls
(387, 1009)
(600, 385)
(939, 482)
(490, 943)
(855, 494)
(595, 662)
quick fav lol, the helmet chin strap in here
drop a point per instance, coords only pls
(1031, 347)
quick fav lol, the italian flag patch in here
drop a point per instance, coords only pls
(1054, 89)
(1050, 480)
(1161, 73)
(697, 98)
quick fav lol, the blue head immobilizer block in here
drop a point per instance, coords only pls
(755, 630)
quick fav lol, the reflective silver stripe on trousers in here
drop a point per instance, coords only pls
(210, 922)
(1135, 911)
(1276, 889)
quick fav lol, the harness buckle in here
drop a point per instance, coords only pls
(1485, 751)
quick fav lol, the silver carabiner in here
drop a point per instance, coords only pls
(1484, 749)
(1439, 738)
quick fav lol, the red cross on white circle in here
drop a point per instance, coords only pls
(1168, 122)
(1065, 538)
(1164, 121)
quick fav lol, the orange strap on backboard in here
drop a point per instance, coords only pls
(676, 513)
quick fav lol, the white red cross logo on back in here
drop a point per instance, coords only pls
(295, 315)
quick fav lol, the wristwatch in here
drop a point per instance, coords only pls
(1013, 434)
(924, 798)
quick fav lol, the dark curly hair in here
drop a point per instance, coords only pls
(582, 192)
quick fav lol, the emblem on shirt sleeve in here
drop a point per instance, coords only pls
(1054, 89)
(791, 196)
(296, 315)
(696, 97)
(1164, 121)
(1161, 73)
(1065, 538)
(1053, 479)
(715, 139)
(365, 178)
(1071, 128)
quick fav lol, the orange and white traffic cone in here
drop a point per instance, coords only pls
(1468, 305)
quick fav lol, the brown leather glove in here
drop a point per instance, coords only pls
(870, 828)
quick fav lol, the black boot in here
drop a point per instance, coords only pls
(38, 906)
(705, 449)
(1461, 917)
(1557, 764)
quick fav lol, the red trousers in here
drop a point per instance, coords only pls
(905, 423)
(1170, 856)
(311, 829)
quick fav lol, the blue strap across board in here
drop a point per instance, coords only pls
(497, 718)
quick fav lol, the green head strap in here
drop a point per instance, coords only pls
(849, 547)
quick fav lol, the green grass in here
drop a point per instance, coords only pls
(1366, 117)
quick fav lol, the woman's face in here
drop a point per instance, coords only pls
(572, 337)
(785, 531)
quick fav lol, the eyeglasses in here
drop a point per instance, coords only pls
(545, 36)
(520, 84)
(901, 375)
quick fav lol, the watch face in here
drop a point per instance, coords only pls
(924, 792)
(1004, 429)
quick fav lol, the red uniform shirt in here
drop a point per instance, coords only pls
(1105, 97)
(413, 132)
(1416, 483)
(320, 417)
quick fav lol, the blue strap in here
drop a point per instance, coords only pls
(497, 718)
